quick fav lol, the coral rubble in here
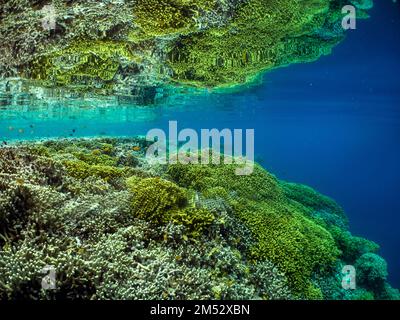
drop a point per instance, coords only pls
(128, 47)
(114, 226)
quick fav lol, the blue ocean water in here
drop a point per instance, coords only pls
(333, 124)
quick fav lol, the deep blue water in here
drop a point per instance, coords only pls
(333, 124)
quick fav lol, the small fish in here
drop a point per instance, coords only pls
(21, 130)
(136, 148)
(73, 130)
(11, 128)
(5, 143)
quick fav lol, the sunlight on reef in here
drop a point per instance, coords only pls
(133, 48)
(116, 227)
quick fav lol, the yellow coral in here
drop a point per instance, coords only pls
(164, 17)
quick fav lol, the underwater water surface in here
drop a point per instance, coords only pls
(333, 124)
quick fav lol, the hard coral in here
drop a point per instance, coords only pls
(153, 198)
(283, 235)
(169, 232)
(164, 17)
(84, 60)
(160, 202)
(372, 270)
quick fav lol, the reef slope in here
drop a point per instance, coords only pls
(115, 226)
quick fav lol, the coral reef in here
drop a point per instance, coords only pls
(282, 234)
(130, 48)
(114, 226)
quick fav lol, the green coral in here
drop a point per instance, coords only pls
(363, 295)
(331, 216)
(96, 157)
(371, 270)
(320, 207)
(352, 247)
(82, 170)
(83, 60)
(153, 198)
(283, 235)
(164, 17)
(99, 161)
(197, 220)
(160, 201)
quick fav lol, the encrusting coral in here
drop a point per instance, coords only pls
(130, 47)
(114, 226)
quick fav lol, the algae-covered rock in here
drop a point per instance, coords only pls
(126, 47)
